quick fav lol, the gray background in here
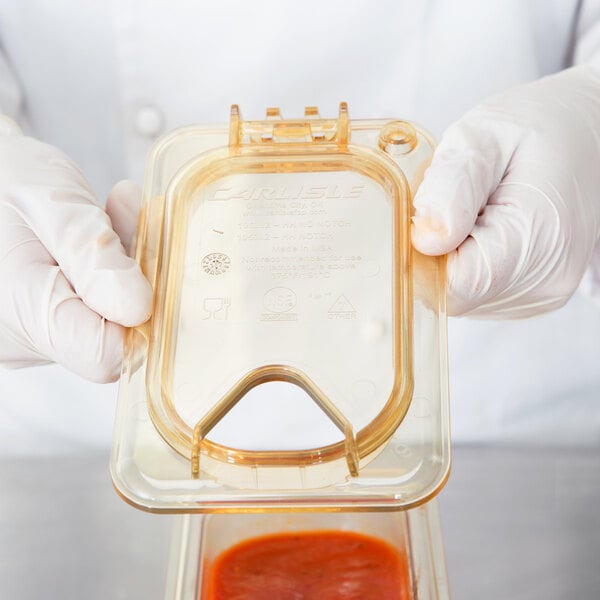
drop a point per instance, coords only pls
(519, 523)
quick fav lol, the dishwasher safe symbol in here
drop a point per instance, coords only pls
(216, 309)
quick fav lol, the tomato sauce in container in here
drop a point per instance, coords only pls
(311, 565)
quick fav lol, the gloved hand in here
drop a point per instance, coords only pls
(67, 287)
(513, 195)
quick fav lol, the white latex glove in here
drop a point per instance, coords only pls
(67, 287)
(513, 195)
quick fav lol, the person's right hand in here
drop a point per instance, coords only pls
(67, 287)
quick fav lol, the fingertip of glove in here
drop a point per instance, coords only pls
(126, 193)
(137, 311)
(430, 236)
(128, 301)
(440, 223)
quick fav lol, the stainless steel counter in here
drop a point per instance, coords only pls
(523, 524)
(519, 524)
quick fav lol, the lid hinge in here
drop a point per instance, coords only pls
(277, 130)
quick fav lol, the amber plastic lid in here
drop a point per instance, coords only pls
(279, 251)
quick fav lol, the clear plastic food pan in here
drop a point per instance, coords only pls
(198, 540)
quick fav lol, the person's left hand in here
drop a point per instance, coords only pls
(513, 196)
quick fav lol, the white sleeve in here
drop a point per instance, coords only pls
(11, 96)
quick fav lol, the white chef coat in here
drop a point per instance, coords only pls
(102, 81)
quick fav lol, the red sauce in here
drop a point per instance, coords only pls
(310, 565)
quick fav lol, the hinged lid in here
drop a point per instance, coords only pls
(280, 255)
